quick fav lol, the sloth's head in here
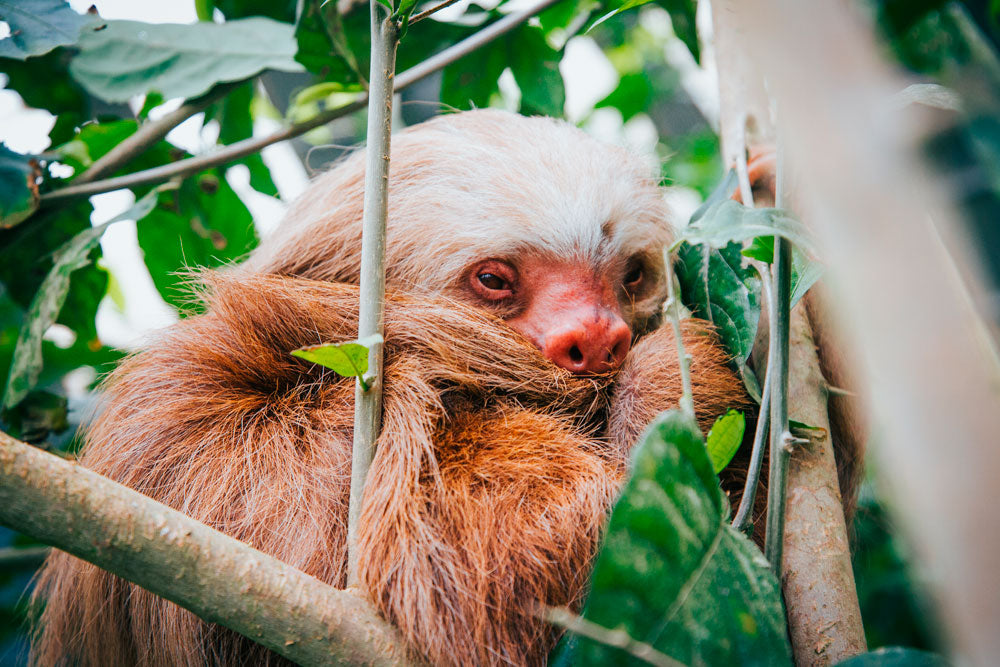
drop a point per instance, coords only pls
(557, 233)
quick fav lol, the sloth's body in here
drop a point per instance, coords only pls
(495, 468)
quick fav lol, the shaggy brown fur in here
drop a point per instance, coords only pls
(488, 491)
(495, 468)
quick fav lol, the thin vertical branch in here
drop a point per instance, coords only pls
(672, 310)
(777, 375)
(368, 404)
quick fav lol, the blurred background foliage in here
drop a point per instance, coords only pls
(639, 78)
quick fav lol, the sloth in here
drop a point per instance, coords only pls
(523, 358)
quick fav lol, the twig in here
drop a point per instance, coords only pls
(744, 513)
(427, 12)
(150, 132)
(252, 145)
(564, 618)
(672, 310)
(185, 561)
(368, 403)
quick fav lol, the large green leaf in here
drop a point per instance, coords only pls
(472, 81)
(19, 176)
(26, 364)
(673, 573)
(535, 66)
(631, 97)
(729, 221)
(717, 287)
(38, 26)
(129, 58)
(331, 46)
(203, 224)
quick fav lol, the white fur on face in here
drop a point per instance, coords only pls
(473, 186)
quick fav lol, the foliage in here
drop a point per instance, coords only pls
(50, 257)
(673, 573)
(348, 359)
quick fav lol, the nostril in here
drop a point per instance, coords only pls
(575, 355)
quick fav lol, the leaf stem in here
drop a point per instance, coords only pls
(564, 618)
(368, 401)
(672, 310)
(743, 521)
(253, 145)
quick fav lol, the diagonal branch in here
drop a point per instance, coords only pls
(151, 132)
(186, 562)
(246, 147)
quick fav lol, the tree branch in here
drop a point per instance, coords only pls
(151, 132)
(427, 12)
(216, 577)
(252, 145)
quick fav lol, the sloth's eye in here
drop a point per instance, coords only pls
(633, 276)
(493, 281)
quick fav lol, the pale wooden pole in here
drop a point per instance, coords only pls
(811, 549)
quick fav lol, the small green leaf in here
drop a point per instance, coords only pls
(38, 26)
(724, 439)
(129, 58)
(623, 6)
(18, 187)
(349, 359)
(729, 221)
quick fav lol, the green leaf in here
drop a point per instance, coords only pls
(535, 66)
(619, 7)
(130, 58)
(631, 97)
(673, 573)
(19, 175)
(38, 26)
(895, 656)
(27, 361)
(333, 47)
(716, 287)
(471, 82)
(729, 221)
(26, 364)
(203, 224)
(348, 359)
(724, 439)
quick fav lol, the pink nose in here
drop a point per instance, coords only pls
(589, 345)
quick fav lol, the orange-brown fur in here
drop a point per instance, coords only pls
(488, 491)
(494, 470)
